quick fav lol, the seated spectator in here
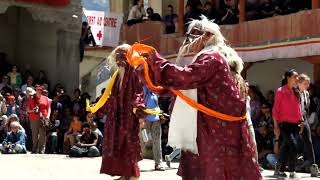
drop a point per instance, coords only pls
(28, 84)
(229, 13)
(270, 97)
(267, 9)
(256, 98)
(4, 65)
(210, 11)
(56, 105)
(98, 134)
(52, 145)
(12, 107)
(13, 118)
(5, 86)
(87, 146)
(17, 94)
(76, 108)
(42, 80)
(70, 137)
(3, 106)
(193, 11)
(153, 16)
(273, 157)
(15, 77)
(264, 139)
(15, 140)
(170, 20)
(3, 129)
(266, 114)
(316, 143)
(186, 16)
(137, 13)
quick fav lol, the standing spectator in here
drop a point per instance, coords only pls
(12, 107)
(288, 122)
(5, 86)
(15, 77)
(15, 141)
(23, 116)
(170, 20)
(309, 157)
(153, 16)
(87, 146)
(28, 84)
(153, 126)
(38, 107)
(137, 12)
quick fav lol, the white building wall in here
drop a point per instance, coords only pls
(37, 45)
(40, 45)
(268, 74)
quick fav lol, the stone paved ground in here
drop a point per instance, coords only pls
(59, 167)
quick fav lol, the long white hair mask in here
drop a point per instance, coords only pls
(205, 25)
(112, 58)
(234, 60)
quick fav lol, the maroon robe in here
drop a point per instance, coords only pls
(226, 150)
(121, 145)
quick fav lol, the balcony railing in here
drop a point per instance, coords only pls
(303, 24)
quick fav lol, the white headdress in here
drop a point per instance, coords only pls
(112, 57)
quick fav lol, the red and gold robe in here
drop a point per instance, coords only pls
(121, 146)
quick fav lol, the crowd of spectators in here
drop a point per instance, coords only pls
(25, 100)
(35, 119)
(221, 11)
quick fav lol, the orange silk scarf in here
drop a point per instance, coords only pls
(136, 60)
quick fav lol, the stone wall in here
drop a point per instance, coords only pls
(39, 37)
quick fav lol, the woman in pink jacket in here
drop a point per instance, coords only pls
(288, 122)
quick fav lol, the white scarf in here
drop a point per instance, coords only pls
(183, 122)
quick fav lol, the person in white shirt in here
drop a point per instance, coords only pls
(137, 12)
(28, 84)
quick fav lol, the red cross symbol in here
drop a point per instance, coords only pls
(99, 35)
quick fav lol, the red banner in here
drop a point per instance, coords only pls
(47, 2)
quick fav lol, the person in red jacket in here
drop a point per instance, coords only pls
(38, 107)
(288, 122)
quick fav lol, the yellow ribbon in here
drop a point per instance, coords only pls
(104, 97)
(155, 111)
